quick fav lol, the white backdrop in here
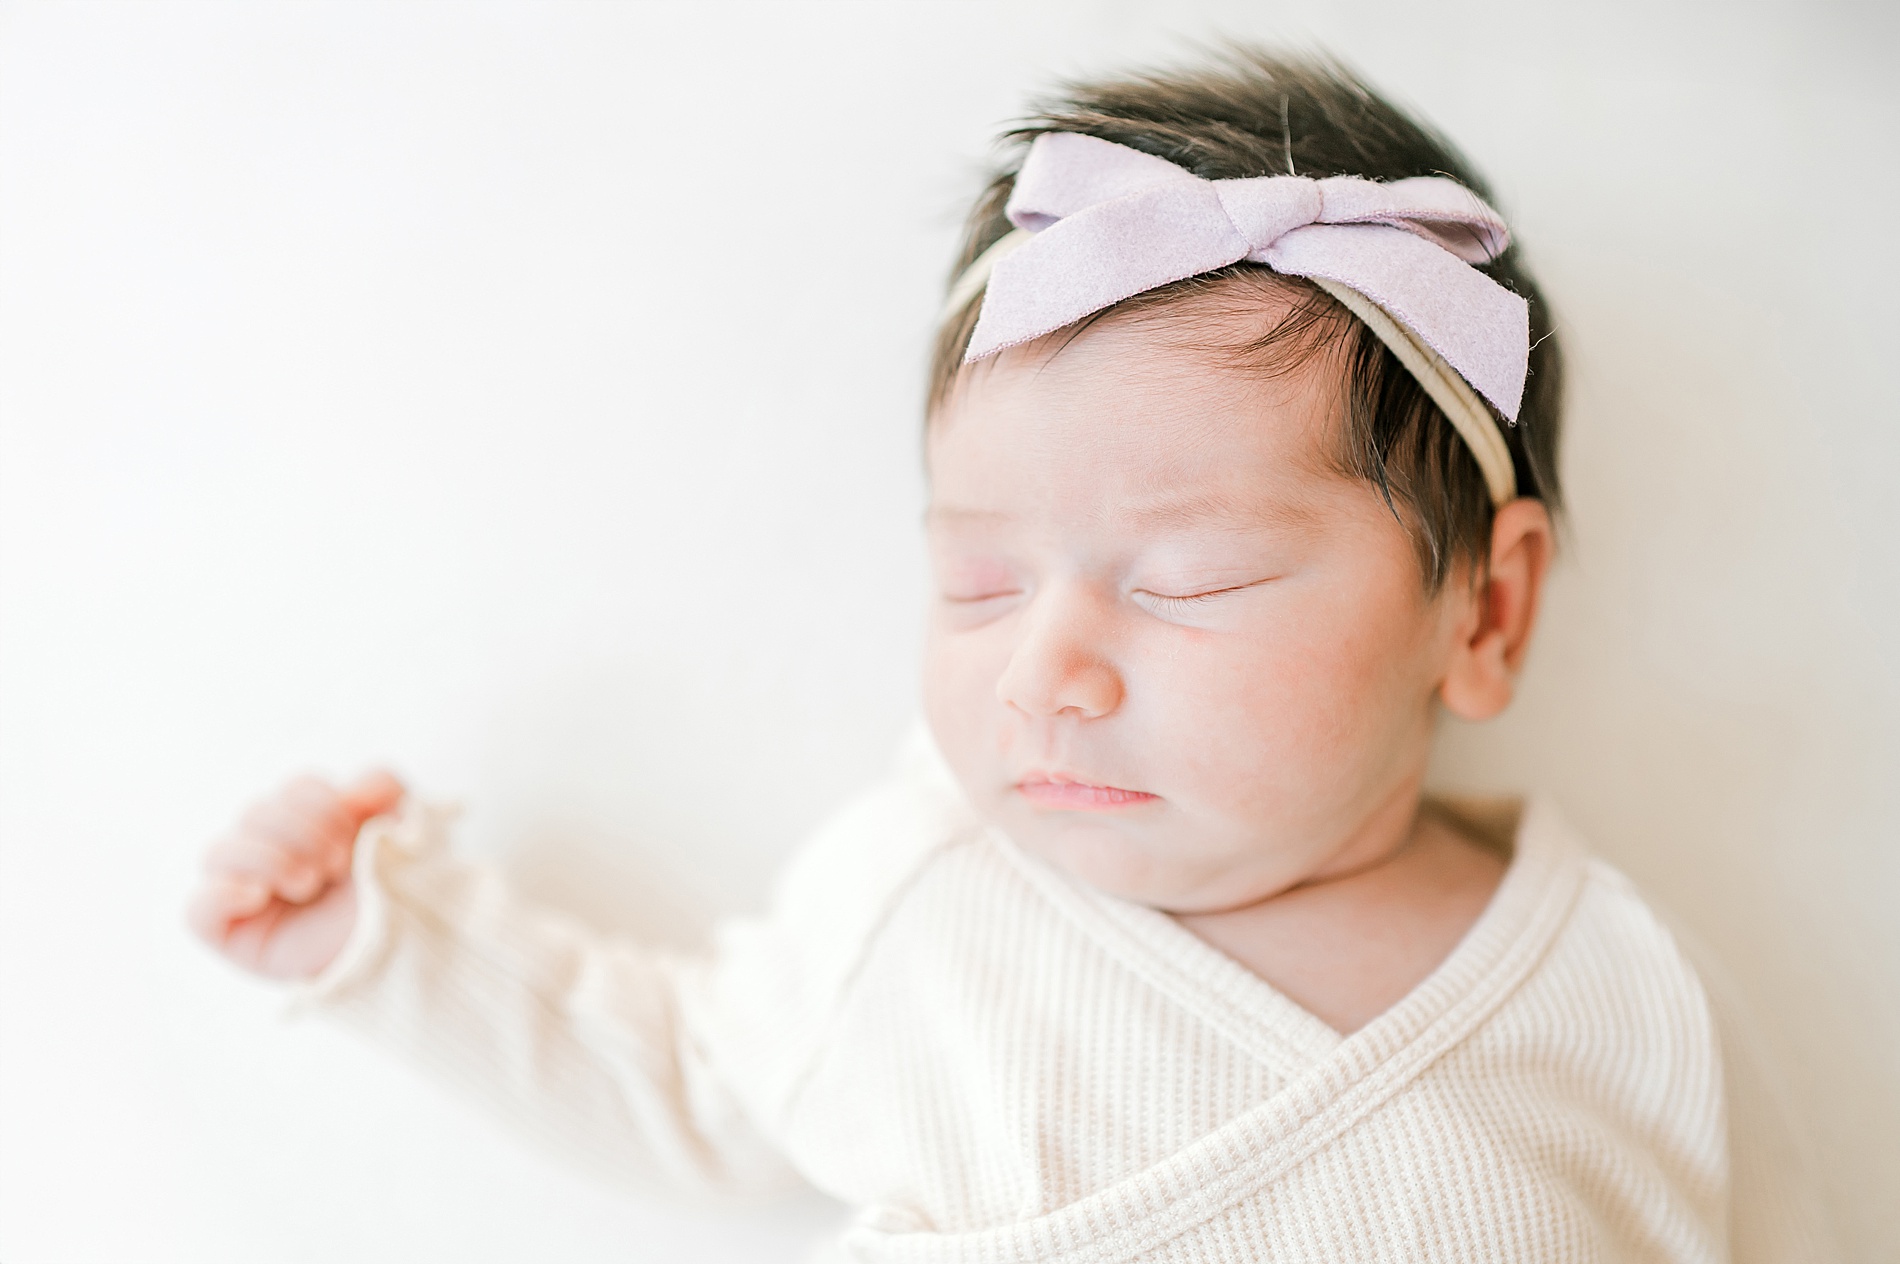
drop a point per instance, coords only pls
(526, 395)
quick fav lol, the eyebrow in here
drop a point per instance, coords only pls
(934, 513)
(1160, 513)
(1183, 511)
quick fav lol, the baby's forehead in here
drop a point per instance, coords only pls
(1252, 331)
(1170, 512)
(1127, 469)
(1178, 408)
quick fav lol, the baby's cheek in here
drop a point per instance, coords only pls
(1348, 723)
(1274, 726)
(959, 691)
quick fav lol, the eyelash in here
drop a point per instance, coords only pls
(1163, 600)
(1193, 599)
(981, 598)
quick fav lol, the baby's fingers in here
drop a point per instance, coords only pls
(314, 807)
(220, 900)
(373, 794)
(295, 875)
(307, 819)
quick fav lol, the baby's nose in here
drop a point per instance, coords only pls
(1060, 665)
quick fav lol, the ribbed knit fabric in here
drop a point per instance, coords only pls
(999, 1065)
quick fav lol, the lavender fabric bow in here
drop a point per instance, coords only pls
(1109, 222)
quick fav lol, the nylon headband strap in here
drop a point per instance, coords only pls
(1462, 407)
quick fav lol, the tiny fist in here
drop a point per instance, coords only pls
(277, 897)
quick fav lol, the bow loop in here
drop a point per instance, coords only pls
(1442, 211)
(1068, 172)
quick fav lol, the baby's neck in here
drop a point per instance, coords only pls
(1353, 941)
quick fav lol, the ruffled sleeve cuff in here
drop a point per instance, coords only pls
(402, 845)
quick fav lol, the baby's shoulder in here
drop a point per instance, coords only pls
(1615, 996)
(840, 886)
(1653, 1022)
(1619, 936)
(860, 861)
(767, 994)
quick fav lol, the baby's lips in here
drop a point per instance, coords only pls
(1059, 790)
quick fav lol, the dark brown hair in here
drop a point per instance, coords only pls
(1250, 112)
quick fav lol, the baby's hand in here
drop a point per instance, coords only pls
(276, 896)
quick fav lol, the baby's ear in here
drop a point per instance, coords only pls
(1495, 632)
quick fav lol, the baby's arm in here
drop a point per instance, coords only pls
(276, 896)
(576, 1038)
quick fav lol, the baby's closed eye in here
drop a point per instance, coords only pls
(1187, 600)
(976, 594)
(971, 595)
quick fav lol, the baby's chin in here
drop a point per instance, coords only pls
(1141, 861)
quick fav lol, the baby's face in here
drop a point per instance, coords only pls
(1171, 649)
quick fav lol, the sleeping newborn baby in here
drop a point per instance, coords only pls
(1241, 444)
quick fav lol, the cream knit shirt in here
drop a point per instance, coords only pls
(1000, 1065)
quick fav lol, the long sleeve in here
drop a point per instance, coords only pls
(666, 1068)
(579, 1040)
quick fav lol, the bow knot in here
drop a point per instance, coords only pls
(1108, 222)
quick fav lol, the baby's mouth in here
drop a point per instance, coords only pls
(1058, 790)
